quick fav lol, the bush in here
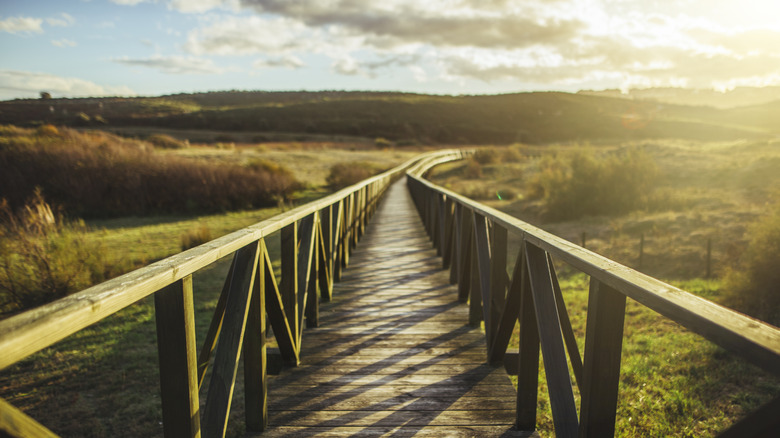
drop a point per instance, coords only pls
(43, 257)
(586, 184)
(473, 169)
(753, 285)
(99, 175)
(487, 156)
(194, 237)
(164, 141)
(345, 174)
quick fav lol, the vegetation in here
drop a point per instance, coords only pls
(96, 174)
(345, 174)
(194, 237)
(753, 285)
(591, 183)
(43, 257)
(403, 118)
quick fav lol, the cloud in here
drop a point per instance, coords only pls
(200, 6)
(13, 83)
(130, 2)
(289, 61)
(250, 36)
(24, 25)
(174, 64)
(64, 43)
(64, 20)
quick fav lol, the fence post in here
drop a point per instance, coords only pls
(601, 370)
(498, 277)
(255, 360)
(289, 284)
(175, 318)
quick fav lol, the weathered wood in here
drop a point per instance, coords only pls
(762, 423)
(175, 319)
(325, 237)
(511, 310)
(498, 283)
(749, 338)
(255, 359)
(558, 380)
(603, 346)
(475, 290)
(447, 237)
(223, 376)
(289, 284)
(312, 297)
(467, 232)
(568, 332)
(455, 262)
(285, 339)
(204, 358)
(305, 261)
(482, 253)
(528, 351)
(15, 423)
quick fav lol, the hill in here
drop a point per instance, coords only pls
(405, 118)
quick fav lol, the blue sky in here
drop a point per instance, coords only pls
(151, 47)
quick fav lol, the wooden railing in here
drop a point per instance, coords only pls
(316, 240)
(472, 240)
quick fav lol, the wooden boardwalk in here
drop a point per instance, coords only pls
(394, 355)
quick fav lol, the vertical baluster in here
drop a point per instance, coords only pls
(175, 317)
(255, 360)
(498, 256)
(289, 284)
(601, 370)
(528, 370)
(467, 231)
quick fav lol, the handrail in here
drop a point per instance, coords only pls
(316, 241)
(472, 238)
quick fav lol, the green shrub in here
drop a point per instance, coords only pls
(194, 237)
(345, 174)
(43, 257)
(589, 184)
(164, 141)
(753, 285)
(487, 156)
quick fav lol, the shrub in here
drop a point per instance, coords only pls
(99, 175)
(473, 169)
(345, 174)
(753, 285)
(43, 257)
(48, 131)
(586, 184)
(164, 141)
(487, 156)
(194, 237)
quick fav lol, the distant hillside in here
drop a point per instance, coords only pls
(738, 97)
(406, 118)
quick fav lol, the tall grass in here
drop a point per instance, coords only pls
(44, 257)
(345, 174)
(588, 183)
(753, 285)
(100, 175)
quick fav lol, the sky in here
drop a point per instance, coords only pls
(75, 48)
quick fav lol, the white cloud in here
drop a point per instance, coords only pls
(13, 83)
(174, 64)
(64, 20)
(21, 25)
(288, 61)
(250, 36)
(64, 43)
(130, 2)
(200, 6)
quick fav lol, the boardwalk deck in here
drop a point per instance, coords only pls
(394, 355)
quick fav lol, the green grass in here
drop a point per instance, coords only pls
(673, 383)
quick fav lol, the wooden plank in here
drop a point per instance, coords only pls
(566, 328)
(447, 237)
(482, 251)
(312, 297)
(603, 346)
(15, 423)
(475, 293)
(511, 310)
(455, 262)
(204, 358)
(558, 380)
(395, 431)
(287, 342)
(528, 351)
(304, 260)
(176, 350)
(289, 283)
(498, 279)
(325, 237)
(255, 359)
(467, 232)
(223, 376)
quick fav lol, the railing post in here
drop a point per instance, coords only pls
(289, 284)
(466, 230)
(326, 262)
(528, 370)
(255, 360)
(498, 277)
(175, 317)
(455, 245)
(601, 370)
